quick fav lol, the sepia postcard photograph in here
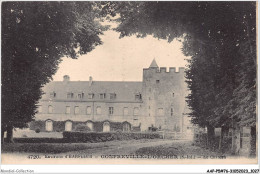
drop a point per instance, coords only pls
(129, 82)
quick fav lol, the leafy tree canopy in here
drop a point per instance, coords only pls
(221, 39)
(35, 35)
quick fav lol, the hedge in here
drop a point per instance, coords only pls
(39, 140)
(106, 136)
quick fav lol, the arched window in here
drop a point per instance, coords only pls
(106, 127)
(90, 125)
(126, 127)
(49, 125)
(68, 126)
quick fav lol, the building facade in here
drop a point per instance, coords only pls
(156, 102)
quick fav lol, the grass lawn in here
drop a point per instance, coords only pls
(177, 148)
(52, 148)
(55, 148)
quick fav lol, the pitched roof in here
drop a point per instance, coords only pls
(125, 91)
(154, 64)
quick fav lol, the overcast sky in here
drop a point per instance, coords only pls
(122, 59)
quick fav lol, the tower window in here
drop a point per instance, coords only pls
(160, 112)
(157, 81)
(136, 111)
(173, 94)
(171, 111)
(111, 110)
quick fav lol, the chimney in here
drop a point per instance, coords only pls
(90, 80)
(66, 78)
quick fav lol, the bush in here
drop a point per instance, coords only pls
(38, 140)
(93, 137)
(37, 130)
(82, 128)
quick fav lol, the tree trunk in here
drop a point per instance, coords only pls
(2, 135)
(9, 138)
(235, 140)
(221, 139)
(253, 141)
(211, 136)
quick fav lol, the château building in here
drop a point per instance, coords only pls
(156, 102)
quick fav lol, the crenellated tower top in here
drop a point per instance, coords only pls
(156, 69)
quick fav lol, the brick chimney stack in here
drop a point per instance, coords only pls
(90, 80)
(66, 78)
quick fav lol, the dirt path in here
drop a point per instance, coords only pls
(91, 153)
(120, 147)
(130, 148)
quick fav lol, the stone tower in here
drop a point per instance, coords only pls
(164, 97)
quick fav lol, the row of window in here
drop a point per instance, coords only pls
(98, 110)
(89, 110)
(112, 96)
(82, 95)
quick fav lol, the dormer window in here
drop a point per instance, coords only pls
(90, 96)
(138, 96)
(53, 94)
(80, 95)
(70, 95)
(112, 96)
(102, 96)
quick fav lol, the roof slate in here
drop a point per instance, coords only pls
(125, 91)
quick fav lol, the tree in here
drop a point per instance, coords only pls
(35, 36)
(220, 37)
